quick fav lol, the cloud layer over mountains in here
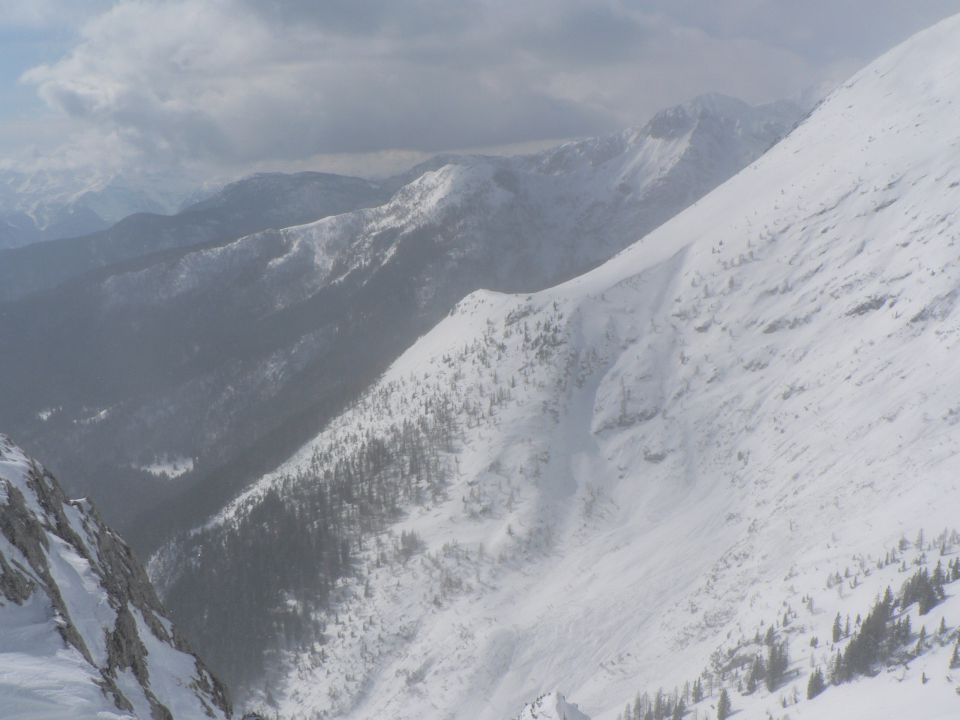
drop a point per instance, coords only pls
(235, 85)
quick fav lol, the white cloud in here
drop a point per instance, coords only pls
(217, 81)
(233, 84)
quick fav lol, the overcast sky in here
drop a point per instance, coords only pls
(224, 87)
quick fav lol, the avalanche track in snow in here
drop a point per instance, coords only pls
(652, 461)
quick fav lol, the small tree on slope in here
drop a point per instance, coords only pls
(778, 660)
(816, 685)
(723, 705)
(678, 710)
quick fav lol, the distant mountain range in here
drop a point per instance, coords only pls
(47, 205)
(188, 342)
(248, 206)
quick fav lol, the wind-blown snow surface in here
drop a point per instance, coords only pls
(700, 430)
(233, 349)
(81, 632)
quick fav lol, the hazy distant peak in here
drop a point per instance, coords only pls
(681, 119)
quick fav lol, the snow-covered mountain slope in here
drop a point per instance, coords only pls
(46, 205)
(266, 200)
(568, 208)
(617, 484)
(232, 353)
(82, 634)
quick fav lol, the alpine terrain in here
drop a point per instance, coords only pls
(205, 347)
(716, 474)
(250, 205)
(82, 634)
(51, 204)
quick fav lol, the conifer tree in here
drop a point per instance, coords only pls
(922, 589)
(723, 705)
(836, 672)
(903, 630)
(769, 637)
(816, 684)
(778, 661)
(755, 674)
(659, 706)
(921, 641)
(871, 643)
(678, 710)
(938, 576)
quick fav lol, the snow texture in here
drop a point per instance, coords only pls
(81, 631)
(688, 440)
(218, 335)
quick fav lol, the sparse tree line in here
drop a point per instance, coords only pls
(762, 661)
(257, 583)
(863, 645)
(885, 633)
(254, 586)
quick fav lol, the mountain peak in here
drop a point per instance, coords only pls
(714, 108)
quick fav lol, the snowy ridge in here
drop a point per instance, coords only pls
(653, 458)
(82, 634)
(262, 335)
(548, 213)
(532, 217)
(555, 211)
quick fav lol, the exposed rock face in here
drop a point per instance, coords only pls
(72, 593)
(551, 706)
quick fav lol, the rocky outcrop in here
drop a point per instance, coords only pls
(107, 610)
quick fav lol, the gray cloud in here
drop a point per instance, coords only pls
(404, 18)
(233, 84)
(820, 30)
(36, 14)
